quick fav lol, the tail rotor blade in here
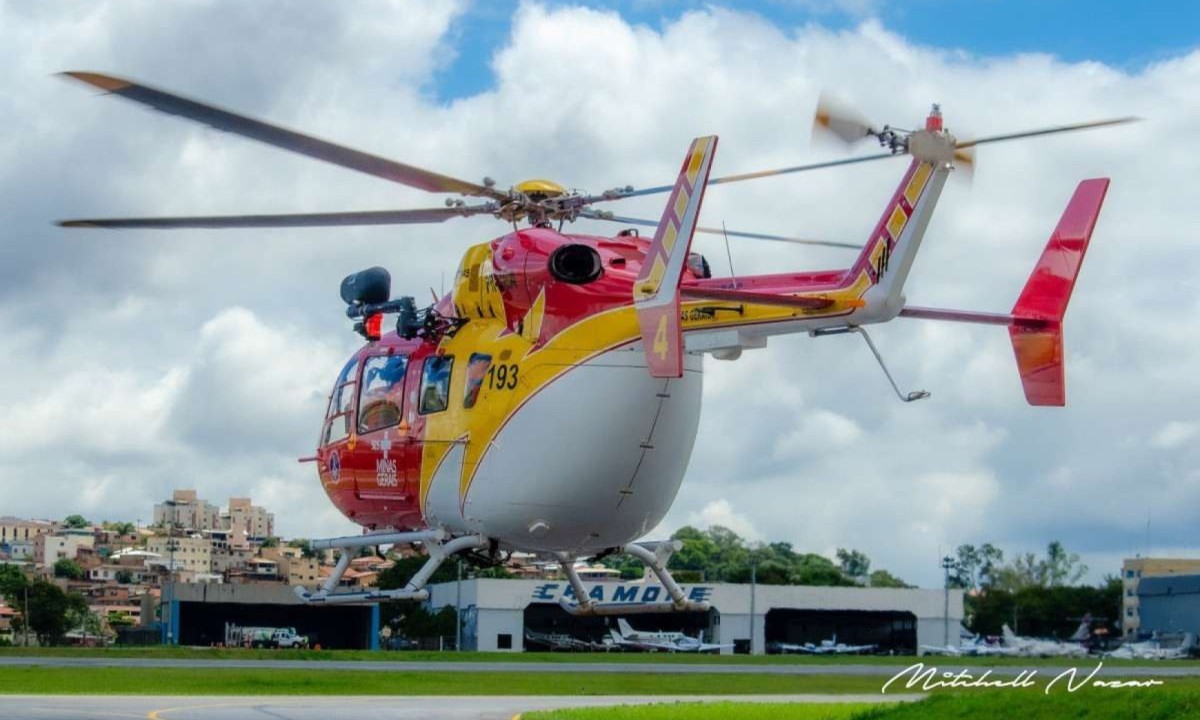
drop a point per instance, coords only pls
(964, 163)
(844, 124)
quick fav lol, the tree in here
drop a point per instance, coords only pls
(124, 577)
(884, 579)
(495, 571)
(68, 568)
(270, 542)
(402, 571)
(976, 567)
(12, 583)
(124, 528)
(305, 547)
(631, 568)
(1062, 568)
(1028, 571)
(853, 563)
(76, 522)
(49, 607)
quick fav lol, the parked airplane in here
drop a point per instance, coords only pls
(825, 647)
(1154, 650)
(971, 646)
(562, 642)
(627, 637)
(1034, 647)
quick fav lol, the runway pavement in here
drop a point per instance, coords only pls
(109, 707)
(643, 668)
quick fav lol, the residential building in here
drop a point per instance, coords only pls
(249, 522)
(1132, 572)
(49, 549)
(231, 559)
(21, 550)
(293, 567)
(185, 511)
(191, 554)
(14, 530)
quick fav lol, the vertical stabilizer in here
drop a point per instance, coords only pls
(1036, 334)
(656, 291)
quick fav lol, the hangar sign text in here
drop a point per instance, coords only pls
(613, 593)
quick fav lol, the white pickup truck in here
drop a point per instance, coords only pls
(264, 637)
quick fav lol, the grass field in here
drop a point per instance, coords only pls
(188, 653)
(1088, 704)
(239, 681)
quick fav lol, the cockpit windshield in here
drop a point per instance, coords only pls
(382, 398)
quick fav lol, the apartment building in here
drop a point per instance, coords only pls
(1132, 572)
(191, 554)
(187, 512)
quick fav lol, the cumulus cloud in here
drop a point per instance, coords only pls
(721, 512)
(141, 362)
(1174, 434)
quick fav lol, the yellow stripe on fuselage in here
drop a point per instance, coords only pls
(494, 407)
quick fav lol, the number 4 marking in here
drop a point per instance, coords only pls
(660, 338)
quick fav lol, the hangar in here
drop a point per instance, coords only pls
(502, 614)
(197, 612)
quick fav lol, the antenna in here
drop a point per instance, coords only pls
(1146, 546)
(728, 254)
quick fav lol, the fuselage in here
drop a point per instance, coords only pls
(535, 424)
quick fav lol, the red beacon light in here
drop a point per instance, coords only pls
(933, 123)
(373, 327)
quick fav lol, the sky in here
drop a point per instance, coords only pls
(132, 363)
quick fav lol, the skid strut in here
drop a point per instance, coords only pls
(656, 560)
(434, 541)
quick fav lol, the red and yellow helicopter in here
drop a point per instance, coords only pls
(549, 402)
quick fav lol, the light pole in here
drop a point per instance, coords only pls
(26, 618)
(947, 563)
(753, 587)
(169, 613)
(458, 610)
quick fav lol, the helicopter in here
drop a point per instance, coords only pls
(549, 402)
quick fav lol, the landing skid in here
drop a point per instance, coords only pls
(435, 542)
(656, 560)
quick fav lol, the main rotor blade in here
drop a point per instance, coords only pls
(766, 173)
(961, 145)
(283, 138)
(1047, 131)
(335, 219)
(719, 231)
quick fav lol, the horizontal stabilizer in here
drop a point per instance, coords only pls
(1035, 323)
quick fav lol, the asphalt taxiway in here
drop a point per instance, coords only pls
(109, 707)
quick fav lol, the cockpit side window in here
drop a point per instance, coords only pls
(381, 401)
(435, 383)
(338, 423)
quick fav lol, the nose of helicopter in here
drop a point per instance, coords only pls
(592, 461)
